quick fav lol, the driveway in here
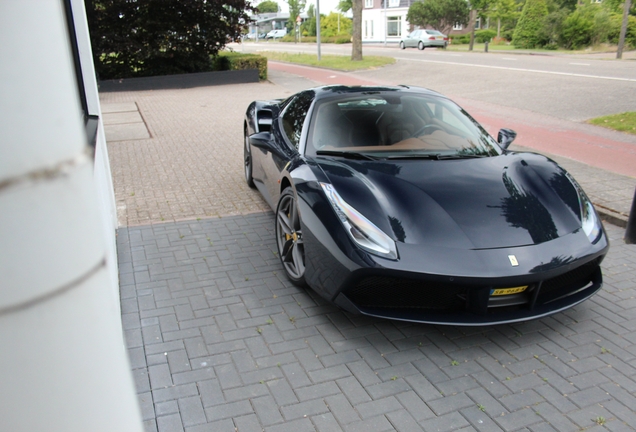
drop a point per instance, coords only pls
(219, 340)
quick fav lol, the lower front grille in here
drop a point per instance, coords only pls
(386, 292)
(420, 296)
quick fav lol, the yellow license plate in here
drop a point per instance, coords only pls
(508, 291)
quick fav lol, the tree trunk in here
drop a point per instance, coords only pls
(621, 38)
(356, 46)
(473, 18)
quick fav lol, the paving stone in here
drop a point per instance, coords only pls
(304, 409)
(267, 411)
(378, 407)
(325, 423)
(170, 423)
(378, 424)
(228, 410)
(191, 411)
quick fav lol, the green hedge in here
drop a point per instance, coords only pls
(230, 60)
(460, 39)
(485, 35)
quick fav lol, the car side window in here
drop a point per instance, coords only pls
(294, 116)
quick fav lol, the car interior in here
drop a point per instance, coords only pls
(407, 125)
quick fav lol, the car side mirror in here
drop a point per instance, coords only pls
(505, 137)
(262, 140)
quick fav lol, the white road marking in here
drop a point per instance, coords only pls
(518, 69)
(580, 64)
(508, 58)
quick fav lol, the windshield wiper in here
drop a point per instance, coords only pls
(434, 156)
(463, 156)
(346, 154)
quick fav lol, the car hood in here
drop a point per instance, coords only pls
(515, 199)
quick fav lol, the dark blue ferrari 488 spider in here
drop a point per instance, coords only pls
(393, 202)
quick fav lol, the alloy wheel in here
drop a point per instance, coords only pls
(289, 237)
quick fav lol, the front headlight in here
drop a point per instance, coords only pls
(360, 229)
(590, 223)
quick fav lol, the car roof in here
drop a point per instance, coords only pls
(330, 91)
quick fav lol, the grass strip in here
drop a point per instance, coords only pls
(624, 122)
(329, 61)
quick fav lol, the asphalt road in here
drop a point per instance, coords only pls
(573, 88)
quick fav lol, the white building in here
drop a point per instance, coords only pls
(385, 20)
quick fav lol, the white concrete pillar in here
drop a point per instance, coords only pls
(63, 365)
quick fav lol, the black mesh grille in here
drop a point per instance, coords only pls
(567, 282)
(381, 292)
(386, 292)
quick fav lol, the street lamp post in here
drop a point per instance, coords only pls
(318, 27)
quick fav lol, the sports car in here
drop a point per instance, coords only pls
(394, 202)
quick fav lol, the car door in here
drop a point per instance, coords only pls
(412, 39)
(287, 134)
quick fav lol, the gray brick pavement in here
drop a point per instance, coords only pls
(220, 340)
(214, 347)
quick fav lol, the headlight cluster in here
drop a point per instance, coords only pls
(360, 229)
(590, 222)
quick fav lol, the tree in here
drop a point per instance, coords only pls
(439, 14)
(160, 37)
(528, 30)
(478, 9)
(267, 6)
(334, 24)
(308, 28)
(344, 6)
(502, 10)
(356, 45)
(296, 7)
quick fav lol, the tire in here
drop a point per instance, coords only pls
(247, 160)
(420, 46)
(402, 45)
(289, 241)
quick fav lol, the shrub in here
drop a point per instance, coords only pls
(526, 34)
(228, 60)
(577, 30)
(552, 27)
(485, 35)
(150, 38)
(460, 39)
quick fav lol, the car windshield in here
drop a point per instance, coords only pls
(396, 126)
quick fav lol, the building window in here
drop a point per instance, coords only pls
(368, 29)
(368, 3)
(477, 23)
(394, 26)
(394, 3)
(458, 26)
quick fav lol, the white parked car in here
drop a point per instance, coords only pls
(278, 33)
(423, 38)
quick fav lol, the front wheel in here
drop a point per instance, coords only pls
(289, 238)
(420, 46)
(247, 160)
(402, 45)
